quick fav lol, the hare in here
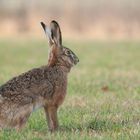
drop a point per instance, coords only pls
(40, 87)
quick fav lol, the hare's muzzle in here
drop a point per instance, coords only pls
(76, 60)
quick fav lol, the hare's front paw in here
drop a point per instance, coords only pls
(53, 129)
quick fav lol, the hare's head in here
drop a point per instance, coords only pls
(59, 55)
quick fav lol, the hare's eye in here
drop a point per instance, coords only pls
(68, 52)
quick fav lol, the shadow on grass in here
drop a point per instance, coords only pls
(105, 125)
(96, 125)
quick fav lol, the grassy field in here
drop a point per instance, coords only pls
(103, 100)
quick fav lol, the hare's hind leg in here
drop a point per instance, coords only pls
(21, 117)
(22, 121)
(51, 115)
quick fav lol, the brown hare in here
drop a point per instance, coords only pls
(40, 87)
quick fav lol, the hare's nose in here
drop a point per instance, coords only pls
(77, 60)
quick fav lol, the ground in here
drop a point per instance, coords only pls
(103, 100)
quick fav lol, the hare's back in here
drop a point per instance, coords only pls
(23, 81)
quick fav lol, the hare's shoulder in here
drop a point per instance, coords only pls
(23, 81)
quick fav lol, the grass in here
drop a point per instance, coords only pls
(103, 100)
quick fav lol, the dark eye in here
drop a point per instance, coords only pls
(68, 52)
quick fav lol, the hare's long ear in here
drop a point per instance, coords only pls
(47, 32)
(56, 33)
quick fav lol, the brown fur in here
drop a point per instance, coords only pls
(40, 87)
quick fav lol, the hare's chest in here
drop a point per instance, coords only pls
(60, 93)
(59, 97)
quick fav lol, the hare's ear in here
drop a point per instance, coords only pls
(56, 33)
(47, 32)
